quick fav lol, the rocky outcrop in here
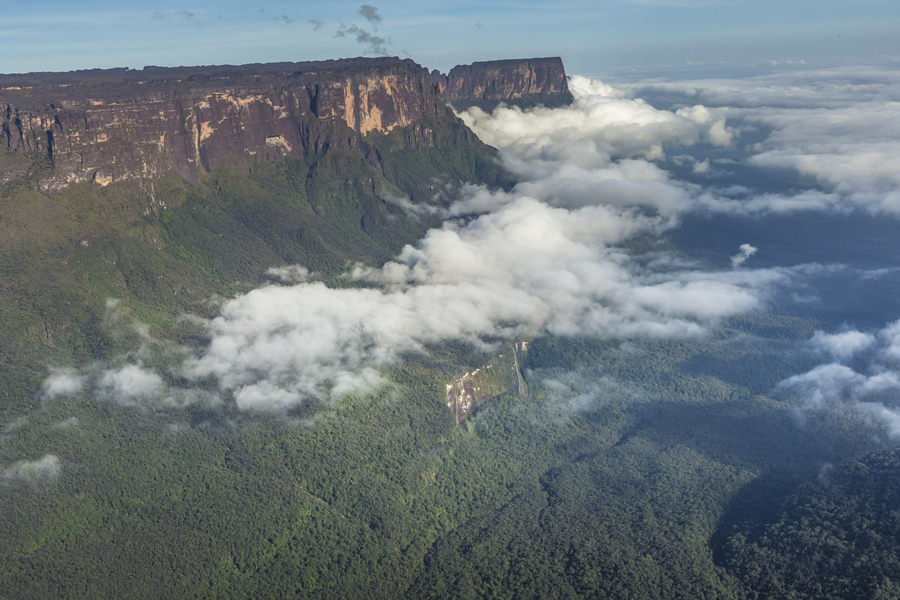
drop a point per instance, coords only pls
(524, 82)
(117, 124)
(500, 376)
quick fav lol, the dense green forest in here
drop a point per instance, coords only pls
(835, 537)
(638, 469)
(535, 497)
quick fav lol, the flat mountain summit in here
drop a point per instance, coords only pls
(119, 124)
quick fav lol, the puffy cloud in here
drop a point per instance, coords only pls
(601, 126)
(745, 251)
(870, 390)
(45, 469)
(840, 127)
(606, 148)
(130, 384)
(854, 151)
(62, 382)
(890, 340)
(844, 345)
(523, 268)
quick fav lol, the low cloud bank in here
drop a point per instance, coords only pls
(605, 147)
(838, 127)
(551, 255)
(862, 381)
(524, 268)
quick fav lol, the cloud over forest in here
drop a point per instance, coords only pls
(861, 381)
(551, 255)
(44, 469)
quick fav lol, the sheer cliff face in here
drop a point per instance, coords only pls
(113, 125)
(520, 81)
(130, 124)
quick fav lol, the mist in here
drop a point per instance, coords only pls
(859, 381)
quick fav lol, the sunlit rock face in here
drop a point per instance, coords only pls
(110, 125)
(502, 375)
(517, 81)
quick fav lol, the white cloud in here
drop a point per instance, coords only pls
(130, 384)
(290, 274)
(844, 345)
(62, 382)
(854, 151)
(745, 251)
(870, 391)
(601, 127)
(840, 127)
(890, 340)
(523, 268)
(46, 468)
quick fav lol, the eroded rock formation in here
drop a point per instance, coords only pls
(518, 81)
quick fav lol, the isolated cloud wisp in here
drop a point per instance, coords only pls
(375, 43)
(44, 469)
(370, 13)
(745, 251)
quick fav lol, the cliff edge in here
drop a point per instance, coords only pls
(108, 125)
(522, 82)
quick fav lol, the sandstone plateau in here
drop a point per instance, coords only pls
(112, 125)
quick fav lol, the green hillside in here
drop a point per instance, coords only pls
(168, 246)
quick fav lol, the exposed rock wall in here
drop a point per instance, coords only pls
(518, 81)
(500, 376)
(121, 124)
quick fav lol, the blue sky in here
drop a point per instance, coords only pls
(592, 37)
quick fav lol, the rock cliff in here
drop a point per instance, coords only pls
(500, 376)
(518, 81)
(109, 125)
(112, 125)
